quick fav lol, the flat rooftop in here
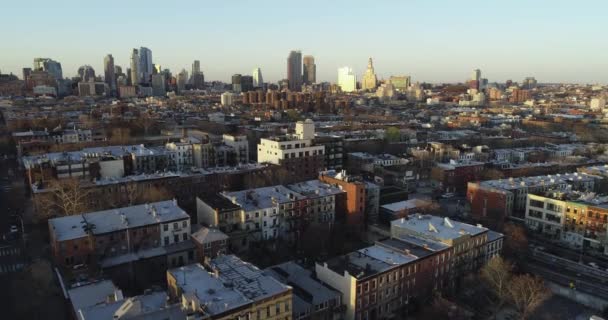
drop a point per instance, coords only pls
(537, 181)
(437, 227)
(99, 222)
(262, 198)
(404, 205)
(315, 188)
(218, 202)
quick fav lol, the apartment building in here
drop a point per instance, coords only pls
(296, 152)
(381, 281)
(121, 241)
(454, 176)
(232, 289)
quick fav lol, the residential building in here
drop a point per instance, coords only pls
(400, 83)
(468, 241)
(355, 210)
(296, 152)
(311, 298)
(383, 280)
(240, 145)
(454, 176)
(158, 85)
(210, 243)
(124, 241)
(233, 290)
(215, 211)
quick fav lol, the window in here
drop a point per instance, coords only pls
(166, 241)
(185, 236)
(174, 225)
(176, 238)
(185, 224)
(536, 203)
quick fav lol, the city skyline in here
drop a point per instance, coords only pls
(421, 45)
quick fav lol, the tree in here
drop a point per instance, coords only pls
(516, 240)
(526, 293)
(145, 121)
(496, 274)
(120, 136)
(392, 134)
(62, 197)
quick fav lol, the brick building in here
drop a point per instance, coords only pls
(454, 176)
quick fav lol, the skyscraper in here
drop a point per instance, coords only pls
(236, 83)
(197, 79)
(369, 78)
(246, 83)
(476, 75)
(86, 73)
(294, 70)
(158, 84)
(134, 67)
(182, 79)
(310, 70)
(258, 81)
(145, 64)
(109, 73)
(347, 79)
(49, 65)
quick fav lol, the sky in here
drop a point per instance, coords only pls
(431, 40)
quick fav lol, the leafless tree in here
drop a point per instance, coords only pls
(526, 293)
(496, 274)
(62, 197)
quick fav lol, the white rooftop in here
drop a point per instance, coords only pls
(437, 227)
(262, 198)
(77, 226)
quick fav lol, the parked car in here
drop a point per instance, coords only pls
(14, 229)
(593, 265)
(447, 195)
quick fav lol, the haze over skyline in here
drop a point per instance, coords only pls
(438, 41)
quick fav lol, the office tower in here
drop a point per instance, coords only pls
(369, 78)
(134, 67)
(158, 84)
(529, 83)
(476, 75)
(117, 71)
(246, 83)
(347, 79)
(294, 70)
(310, 70)
(236, 83)
(108, 73)
(49, 65)
(157, 68)
(258, 81)
(197, 79)
(145, 65)
(182, 79)
(26, 73)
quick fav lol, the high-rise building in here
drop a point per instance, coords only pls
(109, 73)
(49, 65)
(26, 73)
(182, 79)
(197, 79)
(145, 65)
(86, 73)
(246, 83)
(294, 70)
(347, 79)
(529, 83)
(236, 83)
(310, 70)
(158, 84)
(369, 78)
(476, 75)
(258, 81)
(134, 67)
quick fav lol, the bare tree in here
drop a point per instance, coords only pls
(64, 198)
(526, 293)
(516, 240)
(496, 274)
(145, 121)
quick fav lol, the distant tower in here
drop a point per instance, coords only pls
(310, 70)
(197, 79)
(109, 74)
(369, 78)
(294, 70)
(145, 64)
(134, 67)
(237, 83)
(258, 81)
(182, 79)
(347, 79)
(476, 75)
(86, 73)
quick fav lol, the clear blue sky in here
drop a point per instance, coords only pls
(431, 40)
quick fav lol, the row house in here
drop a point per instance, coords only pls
(124, 241)
(383, 280)
(453, 176)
